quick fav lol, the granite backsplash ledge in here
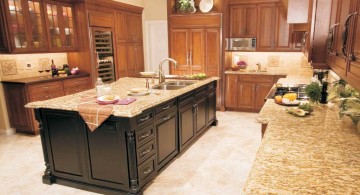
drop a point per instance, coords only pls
(15, 66)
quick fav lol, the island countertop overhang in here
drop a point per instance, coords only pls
(121, 88)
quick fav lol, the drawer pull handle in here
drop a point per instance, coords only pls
(144, 135)
(211, 94)
(166, 118)
(147, 171)
(145, 118)
(166, 107)
(143, 153)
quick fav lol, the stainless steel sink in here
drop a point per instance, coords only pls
(173, 85)
(168, 87)
(179, 83)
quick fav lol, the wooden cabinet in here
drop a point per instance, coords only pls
(274, 33)
(26, 25)
(37, 26)
(129, 44)
(243, 20)
(61, 26)
(212, 52)
(166, 137)
(186, 125)
(20, 92)
(343, 44)
(247, 92)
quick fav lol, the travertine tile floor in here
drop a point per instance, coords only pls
(218, 163)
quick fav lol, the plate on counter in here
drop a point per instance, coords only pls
(108, 99)
(171, 76)
(291, 103)
(138, 92)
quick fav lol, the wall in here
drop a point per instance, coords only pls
(14, 67)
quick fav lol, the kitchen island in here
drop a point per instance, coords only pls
(135, 143)
(316, 154)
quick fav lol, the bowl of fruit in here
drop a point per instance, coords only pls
(242, 64)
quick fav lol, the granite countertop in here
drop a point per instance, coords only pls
(316, 154)
(33, 80)
(121, 88)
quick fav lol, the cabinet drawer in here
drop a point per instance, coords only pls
(146, 170)
(101, 19)
(257, 78)
(45, 96)
(199, 93)
(145, 151)
(211, 86)
(145, 118)
(144, 135)
(185, 99)
(164, 107)
(77, 82)
(47, 87)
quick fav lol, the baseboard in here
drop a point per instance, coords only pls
(9, 131)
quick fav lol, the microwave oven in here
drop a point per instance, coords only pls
(235, 44)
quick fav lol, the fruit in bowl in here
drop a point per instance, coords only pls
(235, 67)
(242, 64)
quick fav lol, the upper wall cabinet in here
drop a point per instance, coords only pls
(133, 24)
(31, 26)
(61, 26)
(243, 21)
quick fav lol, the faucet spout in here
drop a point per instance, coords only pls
(161, 73)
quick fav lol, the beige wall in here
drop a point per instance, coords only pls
(139, 3)
(155, 10)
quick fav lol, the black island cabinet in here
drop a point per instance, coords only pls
(123, 154)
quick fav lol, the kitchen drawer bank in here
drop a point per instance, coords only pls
(19, 92)
(127, 151)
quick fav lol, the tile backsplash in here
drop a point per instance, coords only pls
(17, 66)
(290, 63)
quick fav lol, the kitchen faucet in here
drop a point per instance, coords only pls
(161, 73)
(259, 66)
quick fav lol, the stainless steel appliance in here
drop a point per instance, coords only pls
(241, 44)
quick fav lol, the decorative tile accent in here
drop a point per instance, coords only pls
(44, 63)
(8, 67)
(273, 61)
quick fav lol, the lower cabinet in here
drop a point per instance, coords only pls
(20, 92)
(167, 137)
(122, 154)
(247, 92)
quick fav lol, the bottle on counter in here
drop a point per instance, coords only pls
(324, 93)
(54, 70)
(99, 86)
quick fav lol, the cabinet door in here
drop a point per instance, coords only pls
(245, 95)
(131, 59)
(262, 89)
(121, 60)
(61, 26)
(186, 125)
(196, 50)
(237, 21)
(166, 138)
(134, 27)
(65, 143)
(139, 60)
(250, 20)
(266, 27)
(108, 142)
(353, 73)
(283, 30)
(4, 42)
(37, 26)
(120, 26)
(179, 51)
(212, 52)
(343, 12)
(201, 114)
(230, 90)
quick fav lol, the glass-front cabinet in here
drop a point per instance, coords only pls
(61, 28)
(26, 25)
(36, 26)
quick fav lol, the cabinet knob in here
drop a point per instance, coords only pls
(147, 170)
(144, 135)
(143, 153)
(167, 117)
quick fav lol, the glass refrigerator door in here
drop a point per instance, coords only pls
(105, 55)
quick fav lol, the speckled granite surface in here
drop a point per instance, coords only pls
(316, 154)
(121, 88)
